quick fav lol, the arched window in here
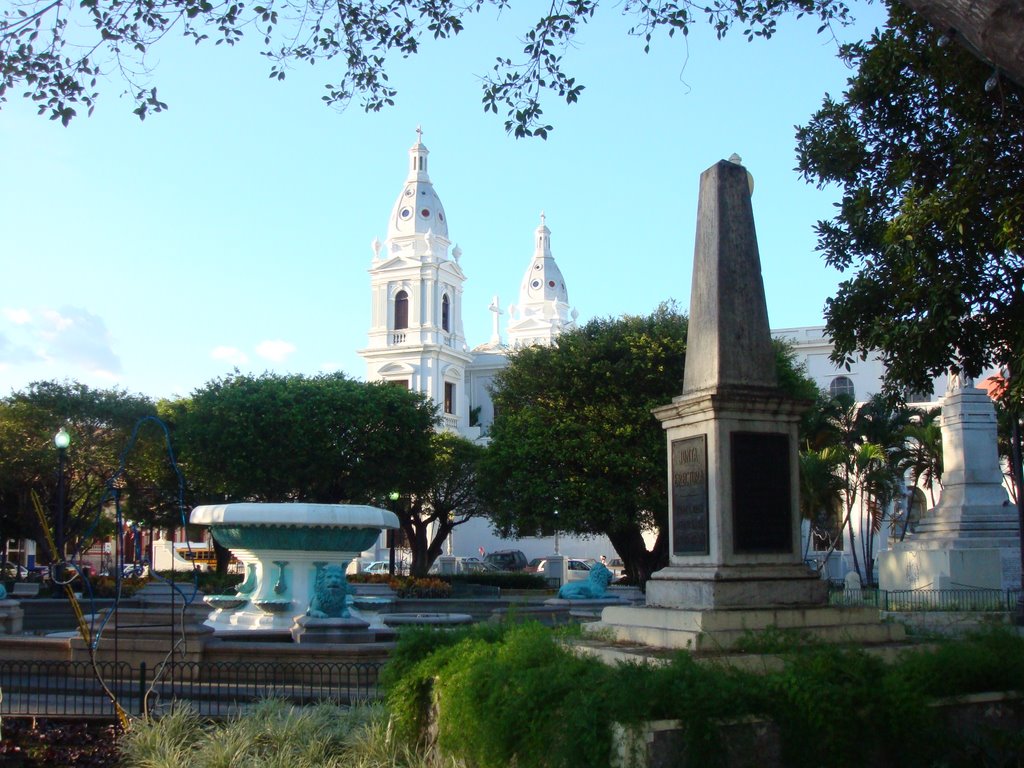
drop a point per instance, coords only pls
(446, 312)
(841, 385)
(401, 310)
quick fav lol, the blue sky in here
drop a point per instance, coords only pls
(234, 229)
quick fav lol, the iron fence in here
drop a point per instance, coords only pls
(970, 600)
(214, 689)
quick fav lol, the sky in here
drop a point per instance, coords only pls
(234, 230)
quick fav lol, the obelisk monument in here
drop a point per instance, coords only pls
(734, 522)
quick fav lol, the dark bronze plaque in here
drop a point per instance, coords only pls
(761, 515)
(690, 496)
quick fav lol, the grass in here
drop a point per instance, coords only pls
(272, 735)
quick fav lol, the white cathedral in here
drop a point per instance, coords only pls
(416, 336)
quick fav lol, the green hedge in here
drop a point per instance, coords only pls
(515, 695)
(502, 579)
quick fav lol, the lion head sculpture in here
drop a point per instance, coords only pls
(330, 594)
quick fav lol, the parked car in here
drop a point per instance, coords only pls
(378, 567)
(14, 571)
(534, 566)
(477, 566)
(507, 560)
(578, 570)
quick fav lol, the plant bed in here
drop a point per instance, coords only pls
(41, 743)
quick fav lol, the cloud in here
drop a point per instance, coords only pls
(231, 355)
(71, 337)
(17, 316)
(276, 351)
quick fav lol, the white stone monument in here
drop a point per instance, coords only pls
(971, 539)
(736, 564)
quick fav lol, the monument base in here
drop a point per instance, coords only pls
(972, 568)
(736, 586)
(711, 631)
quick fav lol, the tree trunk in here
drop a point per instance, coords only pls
(639, 562)
(853, 542)
(1018, 479)
(993, 30)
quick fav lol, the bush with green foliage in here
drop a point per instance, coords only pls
(516, 695)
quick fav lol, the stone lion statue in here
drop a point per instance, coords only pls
(596, 585)
(330, 594)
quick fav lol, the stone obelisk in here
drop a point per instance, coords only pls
(734, 524)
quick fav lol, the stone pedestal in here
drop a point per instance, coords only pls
(717, 631)
(555, 570)
(971, 539)
(309, 631)
(11, 617)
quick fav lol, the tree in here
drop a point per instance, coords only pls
(575, 447)
(932, 216)
(99, 422)
(853, 464)
(322, 439)
(924, 450)
(57, 53)
(448, 496)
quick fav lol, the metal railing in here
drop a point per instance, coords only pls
(968, 600)
(214, 689)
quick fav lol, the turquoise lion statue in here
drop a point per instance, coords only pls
(595, 587)
(330, 594)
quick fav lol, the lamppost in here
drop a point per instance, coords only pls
(556, 532)
(392, 536)
(62, 440)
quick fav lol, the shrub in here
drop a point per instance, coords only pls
(515, 695)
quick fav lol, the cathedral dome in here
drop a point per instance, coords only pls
(418, 209)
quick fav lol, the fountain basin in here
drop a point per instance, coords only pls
(283, 547)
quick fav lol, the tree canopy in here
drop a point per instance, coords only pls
(321, 439)
(447, 494)
(58, 54)
(574, 445)
(100, 423)
(931, 222)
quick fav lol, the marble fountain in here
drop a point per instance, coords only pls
(295, 557)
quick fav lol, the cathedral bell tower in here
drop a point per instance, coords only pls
(543, 309)
(416, 337)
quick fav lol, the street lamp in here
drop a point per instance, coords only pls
(392, 534)
(556, 532)
(62, 440)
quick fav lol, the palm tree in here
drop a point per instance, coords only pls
(924, 453)
(821, 496)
